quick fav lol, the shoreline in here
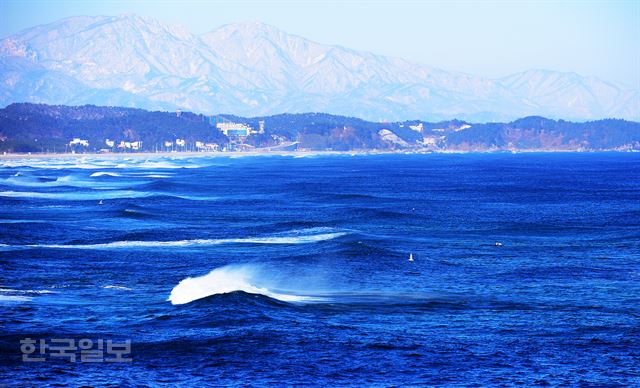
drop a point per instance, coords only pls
(234, 154)
(188, 154)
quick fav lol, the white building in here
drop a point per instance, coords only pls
(110, 143)
(78, 141)
(180, 142)
(234, 129)
(201, 146)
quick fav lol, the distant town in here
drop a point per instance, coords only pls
(236, 133)
(39, 128)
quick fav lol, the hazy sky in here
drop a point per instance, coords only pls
(490, 38)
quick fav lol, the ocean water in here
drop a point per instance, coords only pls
(280, 270)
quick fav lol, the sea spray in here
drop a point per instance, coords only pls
(224, 280)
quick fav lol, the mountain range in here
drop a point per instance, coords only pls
(254, 69)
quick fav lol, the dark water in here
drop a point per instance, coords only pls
(301, 273)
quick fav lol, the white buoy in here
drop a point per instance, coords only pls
(410, 256)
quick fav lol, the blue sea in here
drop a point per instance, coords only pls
(283, 270)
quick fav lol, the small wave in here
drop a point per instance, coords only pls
(74, 196)
(378, 213)
(103, 173)
(14, 295)
(20, 180)
(100, 195)
(133, 213)
(121, 288)
(68, 181)
(194, 197)
(296, 238)
(21, 222)
(14, 298)
(162, 176)
(196, 242)
(225, 280)
(86, 163)
(14, 291)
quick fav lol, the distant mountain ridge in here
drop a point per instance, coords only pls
(41, 128)
(255, 69)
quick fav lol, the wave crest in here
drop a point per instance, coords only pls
(294, 237)
(225, 280)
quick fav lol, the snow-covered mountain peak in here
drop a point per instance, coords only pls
(252, 68)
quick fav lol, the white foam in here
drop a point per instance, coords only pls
(297, 239)
(78, 196)
(112, 287)
(131, 175)
(224, 280)
(20, 222)
(102, 163)
(163, 176)
(14, 298)
(102, 194)
(14, 295)
(67, 180)
(103, 173)
(14, 291)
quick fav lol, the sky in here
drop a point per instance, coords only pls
(487, 38)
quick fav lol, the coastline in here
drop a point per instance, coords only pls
(187, 154)
(235, 154)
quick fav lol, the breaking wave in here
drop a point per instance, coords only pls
(13, 295)
(100, 195)
(69, 181)
(84, 163)
(297, 237)
(75, 196)
(113, 287)
(254, 279)
(225, 280)
(14, 298)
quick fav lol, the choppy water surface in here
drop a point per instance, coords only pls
(273, 270)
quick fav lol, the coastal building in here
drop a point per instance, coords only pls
(202, 146)
(181, 142)
(234, 129)
(136, 145)
(110, 143)
(79, 142)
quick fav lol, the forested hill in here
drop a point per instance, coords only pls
(52, 128)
